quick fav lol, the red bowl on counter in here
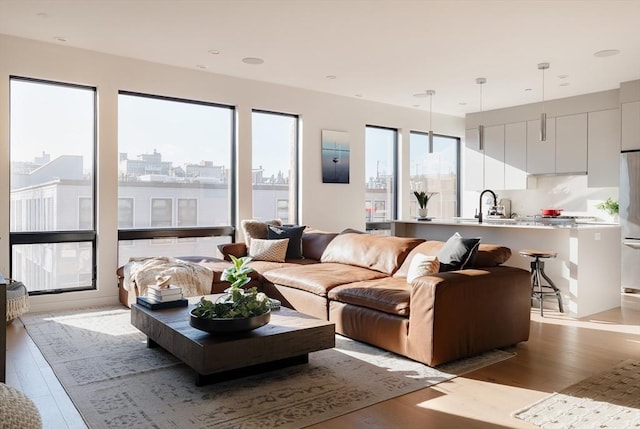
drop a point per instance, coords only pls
(550, 212)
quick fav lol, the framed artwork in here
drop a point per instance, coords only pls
(335, 157)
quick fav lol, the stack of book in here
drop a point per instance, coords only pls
(159, 297)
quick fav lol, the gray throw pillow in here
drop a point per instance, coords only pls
(293, 233)
(458, 253)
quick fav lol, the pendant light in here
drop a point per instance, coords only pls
(430, 93)
(481, 81)
(543, 115)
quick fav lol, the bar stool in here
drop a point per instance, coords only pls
(538, 289)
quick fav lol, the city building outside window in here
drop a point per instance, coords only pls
(175, 173)
(274, 160)
(52, 163)
(187, 211)
(125, 212)
(437, 172)
(380, 173)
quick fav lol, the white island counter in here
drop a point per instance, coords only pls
(587, 269)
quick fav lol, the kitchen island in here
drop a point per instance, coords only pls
(587, 268)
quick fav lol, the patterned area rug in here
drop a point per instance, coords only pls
(607, 400)
(115, 381)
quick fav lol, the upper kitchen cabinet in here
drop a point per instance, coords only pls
(515, 156)
(541, 155)
(571, 144)
(494, 157)
(604, 149)
(630, 120)
(474, 162)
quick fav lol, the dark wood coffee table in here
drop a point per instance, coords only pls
(286, 340)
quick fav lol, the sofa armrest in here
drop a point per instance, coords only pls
(462, 313)
(236, 249)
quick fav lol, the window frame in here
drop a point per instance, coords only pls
(458, 145)
(132, 234)
(386, 224)
(294, 180)
(63, 236)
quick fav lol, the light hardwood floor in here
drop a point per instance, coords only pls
(560, 352)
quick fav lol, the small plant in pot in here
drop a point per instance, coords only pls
(610, 206)
(238, 309)
(423, 199)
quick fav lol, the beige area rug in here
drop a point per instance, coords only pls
(115, 381)
(608, 400)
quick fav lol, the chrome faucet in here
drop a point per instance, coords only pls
(495, 202)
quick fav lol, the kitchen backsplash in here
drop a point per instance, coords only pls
(569, 193)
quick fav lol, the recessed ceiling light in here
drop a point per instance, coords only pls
(201, 66)
(528, 89)
(359, 95)
(214, 52)
(416, 105)
(463, 103)
(564, 84)
(563, 76)
(330, 76)
(606, 53)
(42, 15)
(60, 39)
(252, 60)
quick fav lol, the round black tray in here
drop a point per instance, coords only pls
(230, 325)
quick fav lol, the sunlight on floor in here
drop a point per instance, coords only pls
(598, 321)
(470, 399)
(103, 322)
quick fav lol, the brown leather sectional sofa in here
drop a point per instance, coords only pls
(358, 281)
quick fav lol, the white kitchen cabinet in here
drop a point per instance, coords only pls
(494, 157)
(515, 156)
(473, 162)
(541, 155)
(571, 144)
(603, 168)
(630, 125)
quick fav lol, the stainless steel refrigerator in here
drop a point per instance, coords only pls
(630, 219)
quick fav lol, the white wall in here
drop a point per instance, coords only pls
(331, 207)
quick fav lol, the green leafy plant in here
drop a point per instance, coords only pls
(423, 198)
(610, 206)
(237, 302)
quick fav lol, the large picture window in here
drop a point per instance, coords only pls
(435, 172)
(380, 174)
(52, 162)
(175, 176)
(274, 155)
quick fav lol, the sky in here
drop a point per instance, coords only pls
(59, 120)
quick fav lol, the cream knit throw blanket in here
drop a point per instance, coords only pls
(194, 279)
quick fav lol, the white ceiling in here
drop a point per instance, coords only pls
(380, 50)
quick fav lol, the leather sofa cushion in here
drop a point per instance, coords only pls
(492, 255)
(376, 252)
(314, 243)
(389, 295)
(319, 278)
(489, 255)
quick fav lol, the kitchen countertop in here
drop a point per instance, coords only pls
(513, 223)
(586, 268)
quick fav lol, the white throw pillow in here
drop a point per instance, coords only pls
(422, 265)
(268, 250)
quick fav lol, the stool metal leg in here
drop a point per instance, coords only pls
(552, 286)
(537, 292)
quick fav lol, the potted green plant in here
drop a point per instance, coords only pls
(610, 206)
(423, 199)
(238, 309)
